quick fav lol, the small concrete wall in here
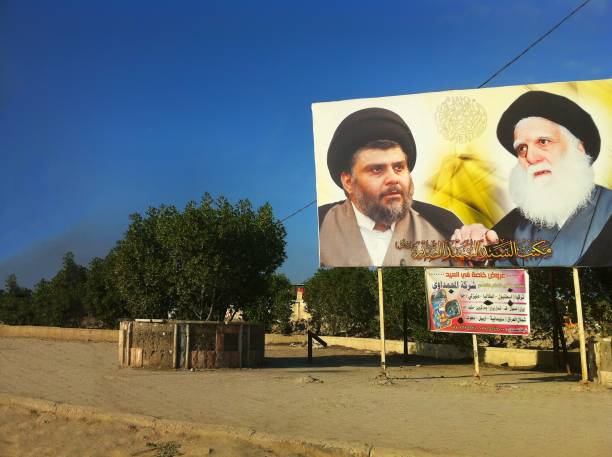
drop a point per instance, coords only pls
(603, 361)
(526, 358)
(59, 333)
(363, 344)
(436, 351)
(439, 351)
(275, 338)
(517, 358)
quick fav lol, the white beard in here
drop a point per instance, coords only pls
(551, 200)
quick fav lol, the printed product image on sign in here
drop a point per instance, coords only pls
(517, 176)
(478, 301)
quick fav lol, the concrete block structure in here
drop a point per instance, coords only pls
(151, 343)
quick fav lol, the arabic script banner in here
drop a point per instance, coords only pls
(531, 165)
(482, 301)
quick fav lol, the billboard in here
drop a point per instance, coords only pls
(494, 302)
(514, 176)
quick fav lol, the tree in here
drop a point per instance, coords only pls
(340, 300)
(102, 298)
(60, 302)
(41, 298)
(404, 291)
(199, 263)
(596, 291)
(273, 309)
(142, 265)
(16, 303)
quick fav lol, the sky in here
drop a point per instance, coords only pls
(110, 107)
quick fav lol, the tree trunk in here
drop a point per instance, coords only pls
(559, 329)
(555, 332)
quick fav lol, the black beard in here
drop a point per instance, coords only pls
(378, 212)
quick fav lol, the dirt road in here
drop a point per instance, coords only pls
(25, 433)
(434, 408)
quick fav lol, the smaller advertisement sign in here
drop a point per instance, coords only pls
(493, 302)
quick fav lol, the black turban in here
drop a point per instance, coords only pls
(362, 127)
(555, 108)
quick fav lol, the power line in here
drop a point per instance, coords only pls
(556, 26)
(299, 210)
(493, 76)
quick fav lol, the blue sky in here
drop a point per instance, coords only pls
(107, 108)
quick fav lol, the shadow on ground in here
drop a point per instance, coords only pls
(349, 359)
(338, 357)
(546, 377)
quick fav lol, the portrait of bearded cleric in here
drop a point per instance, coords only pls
(555, 142)
(371, 157)
(515, 176)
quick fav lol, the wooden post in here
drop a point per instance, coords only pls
(240, 346)
(175, 348)
(583, 360)
(405, 328)
(187, 347)
(381, 310)
(128, 345)
(121, 353)
(475, 349)
(248, 350)
(309, 346)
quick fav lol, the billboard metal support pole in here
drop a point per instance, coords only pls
(383, 363)
(187, 348)
(405, 331)
(175, 347)
(583, 360)
(475, 349)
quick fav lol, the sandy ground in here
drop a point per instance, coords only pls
(25, 433)
(426, 406)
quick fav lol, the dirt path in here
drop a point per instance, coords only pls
(25, 433)
(433, 408)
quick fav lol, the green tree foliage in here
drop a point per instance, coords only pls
(42, 296)
(143, 264)
(103, 302)
(404, 288)
(404, 292)
(60, 302)
(332, 300)
(558, 284)
(199, 263)
(596, 291)
(340, 301)
(16, 303)
(273, 308)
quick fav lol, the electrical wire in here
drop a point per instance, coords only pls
(556, 26)
(493, 76)
(299, 210)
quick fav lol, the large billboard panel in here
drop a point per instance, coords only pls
(493, 302)
(511, 176)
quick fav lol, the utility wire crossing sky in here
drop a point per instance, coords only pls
(108, 108)
(490, 78)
